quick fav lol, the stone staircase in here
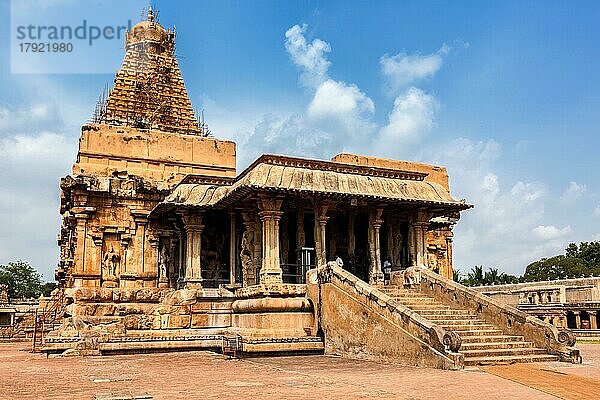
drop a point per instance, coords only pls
(482, 343)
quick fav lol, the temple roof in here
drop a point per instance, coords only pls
(149, 91)
(280, 174)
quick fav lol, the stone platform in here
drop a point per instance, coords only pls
(211, 376)
(121, 320)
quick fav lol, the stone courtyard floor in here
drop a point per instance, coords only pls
(205, 375)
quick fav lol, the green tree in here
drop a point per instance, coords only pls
(47, 288)
(588, 252)
(22, 279)
(456, 276)
(475, 277)
(557, 267)
(491, 277)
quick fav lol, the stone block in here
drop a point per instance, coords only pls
(179, 321)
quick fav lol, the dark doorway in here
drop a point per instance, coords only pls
(215, 249)
(585, 320)
(571, 320)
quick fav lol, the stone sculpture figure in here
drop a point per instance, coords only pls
(247, 252)
(412, 275)
(111, 261)
(397, 248)
(163, 263)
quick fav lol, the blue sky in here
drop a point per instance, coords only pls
(505, 94)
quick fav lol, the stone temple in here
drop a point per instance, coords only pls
(164, 247)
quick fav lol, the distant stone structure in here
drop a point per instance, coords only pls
(565, 303)
(7, 311)
(164, 247)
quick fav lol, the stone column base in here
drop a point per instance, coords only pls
(376, 279)
(193, 284)
(271, 277)
(163, 282)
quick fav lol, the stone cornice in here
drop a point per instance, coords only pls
(207, 180)
(321, 165)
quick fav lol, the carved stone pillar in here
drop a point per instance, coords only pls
(137, 266)
(270, 272)
(577, 320)
(232, 247)
(420, 228)
(193, 265)
(351, 235)
(375, 222)
(85, 258)
(174, 261)
(151, 274)
(300, 234)
(412, 252)
(284, 240)
(180, 261)
(593, 322)
(258, 255)
(248, 249)
(449, 263)
(321, 219)
(107, 278)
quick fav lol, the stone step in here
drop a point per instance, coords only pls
(509, 359)
(467, 338)
(416, 300)
(513, 351)
(427, 307)
(400, 292)
(495, 345)
(440, 318)
(469, 327)
(443, 312)
(405, 299)
(421, 304)
(460, 321)
(478, 332)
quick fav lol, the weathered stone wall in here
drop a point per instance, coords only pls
(358, 321)
(161, 157)
(566, 291)
(273, 317)
(435, 173)
(121, 312)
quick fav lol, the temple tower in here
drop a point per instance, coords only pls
(144, 138)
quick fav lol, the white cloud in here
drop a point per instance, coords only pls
(509, 227)
(309, 56)
(596, 212)
(574, 192)
(339, 100)
(404, 69)
(410, 119)
(550, 232)
(31, 164)
(34, 118)
(289, 135)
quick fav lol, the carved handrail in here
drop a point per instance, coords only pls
(445, 341)
(543, 334)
